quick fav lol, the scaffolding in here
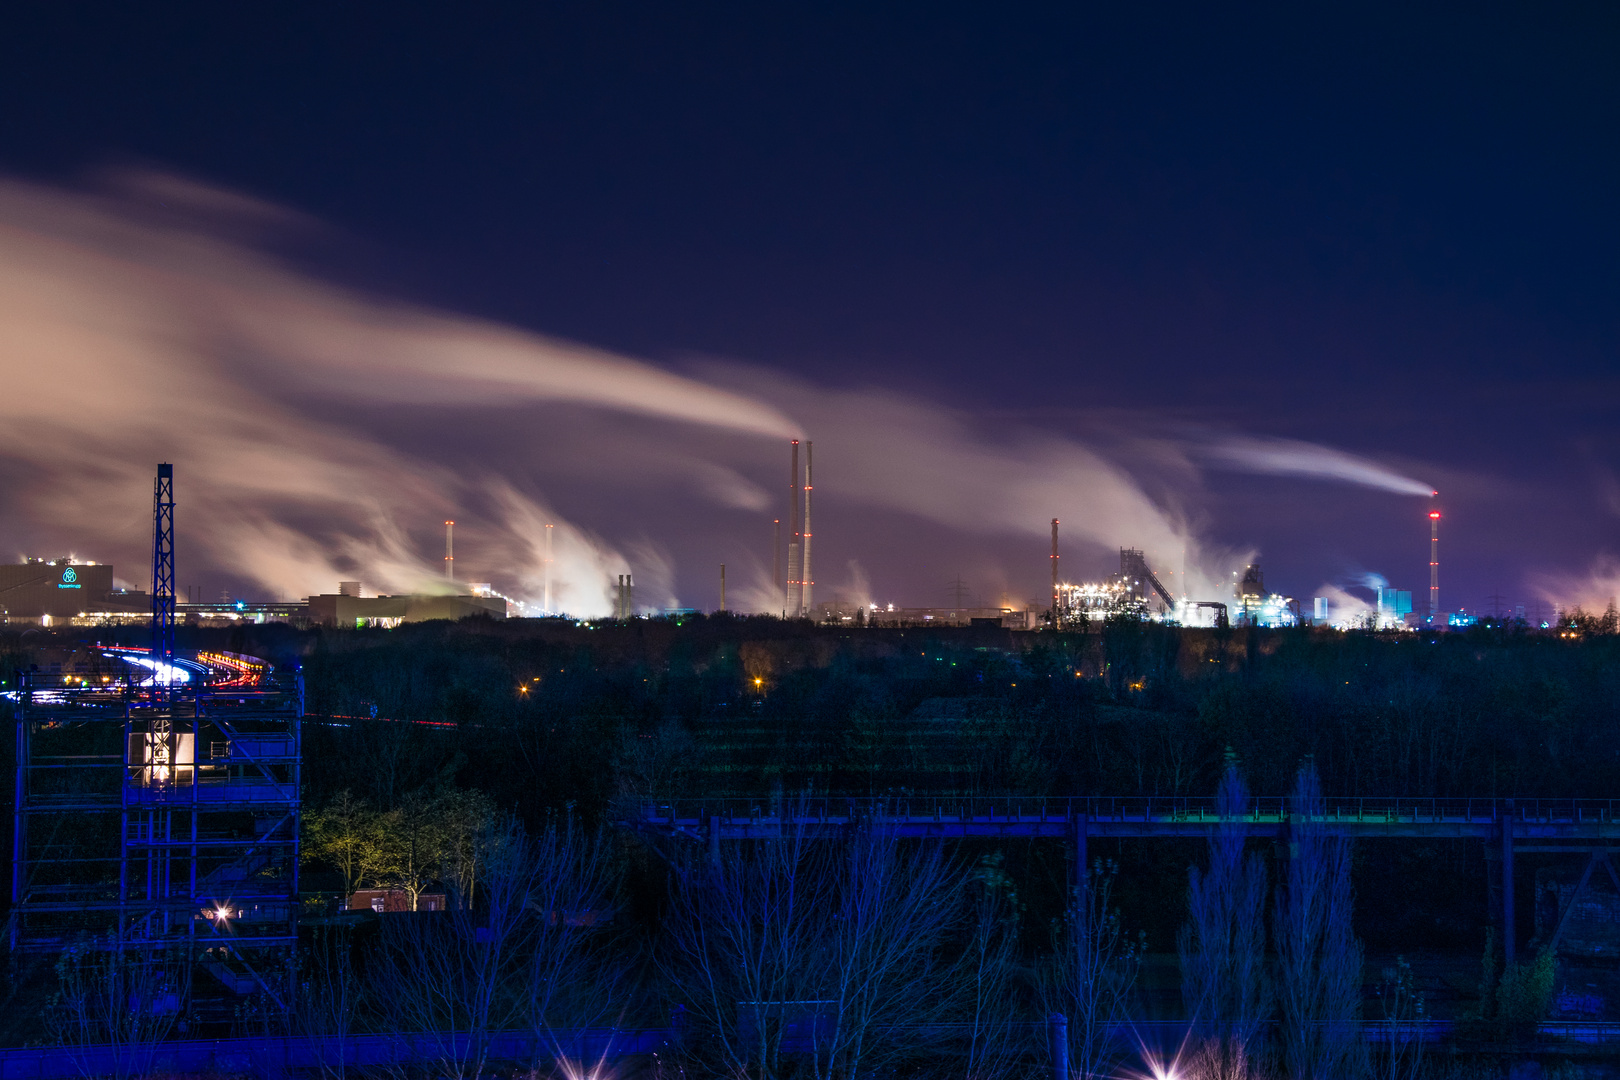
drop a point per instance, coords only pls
(160, 823)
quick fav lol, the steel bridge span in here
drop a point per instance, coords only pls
(1505, 826)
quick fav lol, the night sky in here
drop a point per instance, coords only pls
(1390, 230)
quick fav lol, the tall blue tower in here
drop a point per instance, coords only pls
(163, 569)
(159, 820)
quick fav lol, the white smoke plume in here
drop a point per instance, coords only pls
(125, 340)
(950, 469)
(1346, 609)
(142, 325)
(1289, 457)
(1591, 592)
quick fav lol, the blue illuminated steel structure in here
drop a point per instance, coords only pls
(1589, 827)
(163, 826)
(163, 566)
(157, 815)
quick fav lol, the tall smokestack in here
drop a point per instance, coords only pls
(1054, 575)
(624, 605)
(450, 550)
(807, 579)
(548, 568)
(1434, 561)
(794, 535)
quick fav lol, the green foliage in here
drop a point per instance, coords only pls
(1525, 992)
(435, 836)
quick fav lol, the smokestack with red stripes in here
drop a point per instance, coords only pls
(795, 537)
(1434, 559)
(807, 580)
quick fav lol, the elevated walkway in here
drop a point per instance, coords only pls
(1572, 822)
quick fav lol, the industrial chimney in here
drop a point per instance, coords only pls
(548, 570)
(1434, 561)
(1054, 574)
(450, 550)
(795, 536)
(806, 580)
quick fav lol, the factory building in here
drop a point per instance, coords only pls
(40, 590)
(64, 591)
(889, 615)
(1256, 607)
(1133, 592)
(1391, 609)
(1091, 600)
(1394, 605)
(351, 609)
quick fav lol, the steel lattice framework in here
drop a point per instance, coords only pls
(163, 566)
(161, 822)
(157, 817)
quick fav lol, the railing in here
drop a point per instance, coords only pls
(1143, 809)
(255, 792)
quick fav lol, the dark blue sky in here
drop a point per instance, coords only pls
(1391, 229)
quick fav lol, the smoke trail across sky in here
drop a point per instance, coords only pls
(1289, 457)
(317, 432)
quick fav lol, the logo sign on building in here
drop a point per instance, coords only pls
(70, 579)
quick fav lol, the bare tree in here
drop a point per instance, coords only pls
(1402, 1013)
(898, 907)
(654, 764)
(825, 955)
(744, 935)
(519, 958)
(457, 977)
(329, 999)
(1093, 971)
(572, 979)
(995, 1040)
(1318, 957)
(114, 1006)
(1222, 947)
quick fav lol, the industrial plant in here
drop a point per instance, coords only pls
(66, 591)
(180, 778)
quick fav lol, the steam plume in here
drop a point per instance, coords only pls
(1288, 457)
(131, 334)
(125, 340)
